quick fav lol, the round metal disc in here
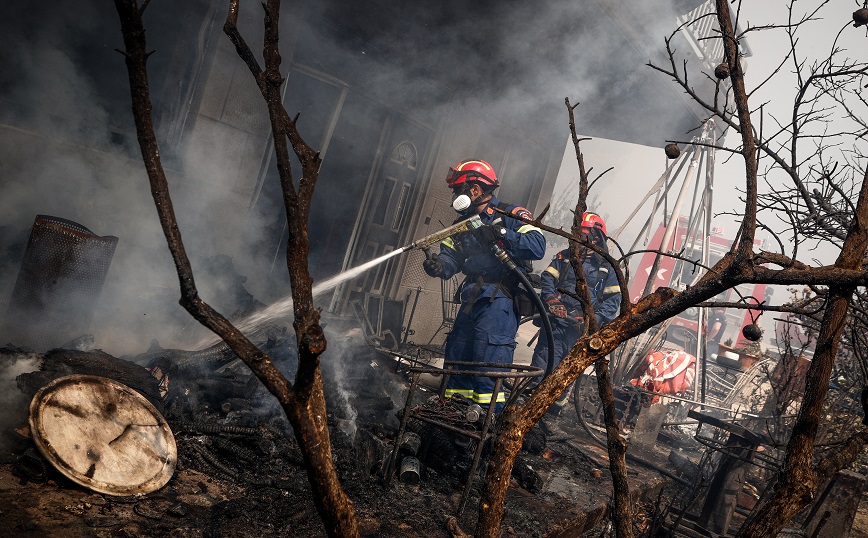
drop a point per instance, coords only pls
(103, 435)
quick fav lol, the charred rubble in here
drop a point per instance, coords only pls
(230, 429)
(231, 434)
(226, 425)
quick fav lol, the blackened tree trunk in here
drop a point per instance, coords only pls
(740, 265)
(303, 402)
(797, 481)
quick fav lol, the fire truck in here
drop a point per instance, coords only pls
(678, 274)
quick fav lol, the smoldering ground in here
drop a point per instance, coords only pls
(13, 402)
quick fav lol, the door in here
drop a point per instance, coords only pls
(391, 197)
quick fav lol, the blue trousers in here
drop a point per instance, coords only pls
(564, 336)
(485, 334)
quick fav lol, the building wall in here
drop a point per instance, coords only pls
(358, 103)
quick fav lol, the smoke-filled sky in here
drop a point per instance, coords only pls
(63, 80)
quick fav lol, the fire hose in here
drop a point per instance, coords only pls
(500, 253)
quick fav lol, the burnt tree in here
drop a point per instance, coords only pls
(622, 514)
(302, 400)
(843, 220)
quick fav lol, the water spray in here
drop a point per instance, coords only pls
(283, 307)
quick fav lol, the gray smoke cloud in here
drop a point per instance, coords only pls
(517, 61)
(11, 398)
(70, 150)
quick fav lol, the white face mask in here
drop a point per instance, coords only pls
(461, 203)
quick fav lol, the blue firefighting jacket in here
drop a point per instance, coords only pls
(463, 253)
(602, 285)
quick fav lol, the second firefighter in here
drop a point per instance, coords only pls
(565, 312)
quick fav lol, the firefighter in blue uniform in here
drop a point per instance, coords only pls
(565, 312)
(485, 327)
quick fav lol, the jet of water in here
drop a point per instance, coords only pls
(283, 307)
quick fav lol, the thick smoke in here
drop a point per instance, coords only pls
(13, 401)
(71, 151)
(69, 147)
(517, 61)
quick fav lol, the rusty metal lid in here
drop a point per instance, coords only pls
(103, 435)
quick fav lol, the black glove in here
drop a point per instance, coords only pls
(489, 233)
(556, 307)
(434, 265)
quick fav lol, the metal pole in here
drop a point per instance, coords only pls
(654, 189)
(706, 247)
(412, 313)
(672, 224)
(659, 200)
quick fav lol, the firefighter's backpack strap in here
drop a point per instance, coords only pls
(474, 293)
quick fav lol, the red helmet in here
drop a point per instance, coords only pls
(472, 170)
(592, 220)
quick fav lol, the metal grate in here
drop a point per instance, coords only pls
(61, 276)
(414, 275)
(704, 33)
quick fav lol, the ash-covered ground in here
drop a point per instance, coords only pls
(240, 471)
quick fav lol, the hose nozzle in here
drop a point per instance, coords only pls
(469, 224)
(503, 257)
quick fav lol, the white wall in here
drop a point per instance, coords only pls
(635, 170)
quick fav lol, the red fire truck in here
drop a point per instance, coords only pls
(684, 327)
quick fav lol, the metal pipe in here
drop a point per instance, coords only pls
(654, 190)
(671, 225)
(659, 199)
(706, 246)
(412, 313)
(390, 468)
